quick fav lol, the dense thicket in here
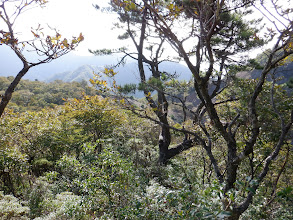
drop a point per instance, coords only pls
(215, 147)
(231, 115)
(90, 159)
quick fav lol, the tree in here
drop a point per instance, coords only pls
(47, 47)
(95, 117)
(216, 34)
(145, 38)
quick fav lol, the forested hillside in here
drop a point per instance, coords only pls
(210, 139)
(36, 95)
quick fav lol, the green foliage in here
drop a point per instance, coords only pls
(290, 83)
(263, 57)
(286, 193)
(36, 198)
(66, 205)
(127, 88)
(102, 52)
(41, 166)
(34, 141)
(35, 95)
(115, 174)
(104, 180)
(95, 116)
(253, 63)
(281, 209)
(29, 133)
(13, 162)
(241, 90)
(11, 208)
(235, 30)
(45, 205)
(152, 84)
(89, 159)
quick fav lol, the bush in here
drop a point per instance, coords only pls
(37, 197)
(66, 205)
(41, 166)
(11, 208)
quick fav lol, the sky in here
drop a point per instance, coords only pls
(71, 17)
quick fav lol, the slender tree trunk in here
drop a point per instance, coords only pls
(231, 167)
(8, 93)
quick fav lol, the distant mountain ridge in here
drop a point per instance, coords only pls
(84, 72)
(127, 73)
(71, 67)
(283, 73)
(11, 65)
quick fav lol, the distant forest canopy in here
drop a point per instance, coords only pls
(35, 95)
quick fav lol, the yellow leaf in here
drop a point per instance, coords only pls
(80, 38)
(65, 43)
(58, 36)
(92, 81)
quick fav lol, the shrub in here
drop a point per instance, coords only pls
(11, 208)
(66, 205)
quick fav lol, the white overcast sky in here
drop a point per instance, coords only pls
(71, 17)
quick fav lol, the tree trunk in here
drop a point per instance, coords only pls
(234, 216)
(7, 182)
(164, 141)
(8, 93)
(163, 152)
(166, 154)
